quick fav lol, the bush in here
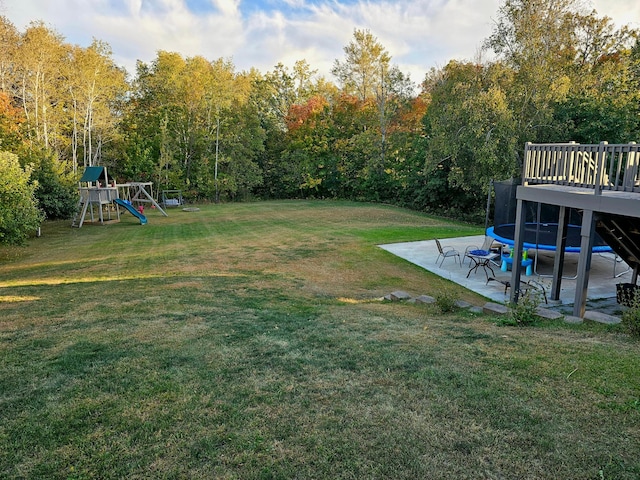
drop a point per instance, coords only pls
(524, 312)
(19, 213)
(446, 302)
(631, 316)
(56, 193)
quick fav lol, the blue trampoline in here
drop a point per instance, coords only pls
(541, 222)
(542, 236)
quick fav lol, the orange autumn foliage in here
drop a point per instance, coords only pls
(10, 117)
(11, 120)
(299, 114)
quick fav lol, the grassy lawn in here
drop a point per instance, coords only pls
(248, 341)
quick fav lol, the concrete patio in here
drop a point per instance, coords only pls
(602, 283)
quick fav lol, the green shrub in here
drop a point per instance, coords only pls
(56, 192)
(19, 213)
(631, 316)
(524, 312)
(446, 302)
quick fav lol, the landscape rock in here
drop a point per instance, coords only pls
(400, 295)
(548, 314)
(491, 308)
(601, 318)
(425, 299)
(397, 296)
(573, 320)
(463, 304)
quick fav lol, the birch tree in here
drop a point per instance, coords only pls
(192, 113)
(95, 84)
(9, 38)
(39, 60)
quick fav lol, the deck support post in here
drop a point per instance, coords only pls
(558, 262)
(587, 233)
(516, 266)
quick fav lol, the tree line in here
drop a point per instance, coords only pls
(557, 73)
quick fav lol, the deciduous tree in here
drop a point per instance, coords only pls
(9, 40)
(469, 136)
(96, 87)
(195, 119)
(11, 120)
(553, 46)
(382, 90)
(365, 66)
(39, 60)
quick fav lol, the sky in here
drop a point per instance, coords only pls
(419, 34)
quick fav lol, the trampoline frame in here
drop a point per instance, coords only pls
(542, 246)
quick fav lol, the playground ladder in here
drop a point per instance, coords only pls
(81, 211)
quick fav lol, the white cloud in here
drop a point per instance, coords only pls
(227, 7)
(419, 34)
(622, 12)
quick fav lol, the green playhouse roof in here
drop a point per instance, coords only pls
(91, 174)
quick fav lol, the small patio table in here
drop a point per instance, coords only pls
(482, 258)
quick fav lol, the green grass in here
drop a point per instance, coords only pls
(247, 341)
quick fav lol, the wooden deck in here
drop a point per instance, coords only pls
(603, 182)
(583, 198)
(601, 167)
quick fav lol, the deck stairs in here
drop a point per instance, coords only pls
(622, 234)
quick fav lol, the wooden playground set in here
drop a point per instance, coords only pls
(101, 199)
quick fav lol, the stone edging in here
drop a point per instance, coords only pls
(491, 308)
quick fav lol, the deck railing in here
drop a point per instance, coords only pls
(600, 167)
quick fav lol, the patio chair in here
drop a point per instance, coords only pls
(524, 286)
(446, 252)
(487, 246)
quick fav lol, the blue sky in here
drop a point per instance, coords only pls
(419, 34)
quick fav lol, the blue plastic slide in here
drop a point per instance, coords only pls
(132, 210)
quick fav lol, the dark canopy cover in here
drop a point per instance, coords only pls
(92, 174)
(541, 220)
